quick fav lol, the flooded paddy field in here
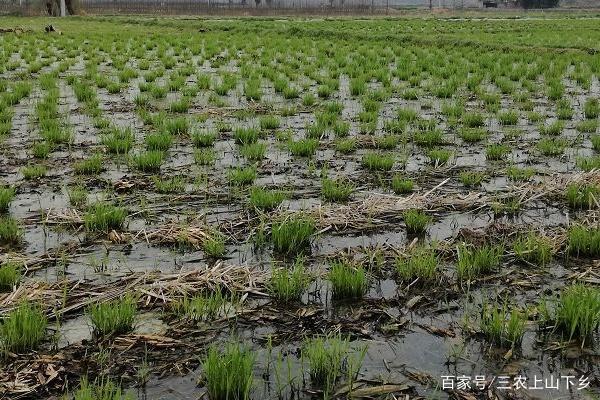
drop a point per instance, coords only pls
(300, 209)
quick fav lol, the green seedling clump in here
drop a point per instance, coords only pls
(416, 221)
(23, 329)
(104, 217)
(228, 373)
(348, 281)
(115, 317)
(419, 263)
(287, 285)
(292, 233)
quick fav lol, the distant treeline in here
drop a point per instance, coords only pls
(539, 3)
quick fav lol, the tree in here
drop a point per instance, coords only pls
(53, 7)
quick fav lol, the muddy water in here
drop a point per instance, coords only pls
(415, 345)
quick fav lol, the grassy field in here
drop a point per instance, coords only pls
(300, 208)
